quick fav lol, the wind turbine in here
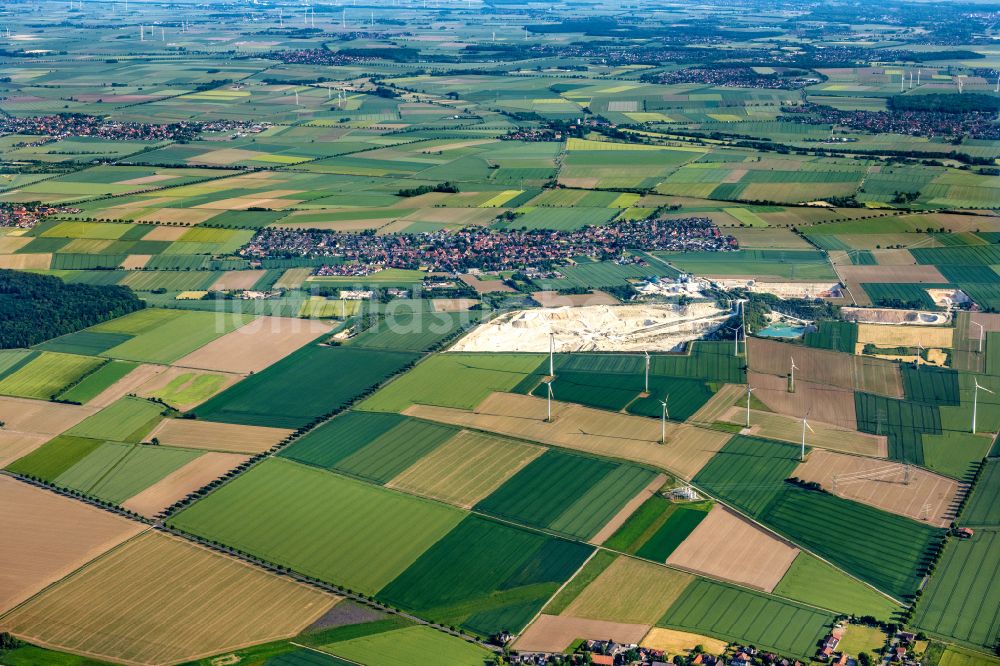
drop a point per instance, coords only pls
(982, 331)
(663, 422)
(794, 368)
(975, 402)
(805, 424)
(647, 371)
(749, 391)
(548, 385)
(736, 340)
(552, 354)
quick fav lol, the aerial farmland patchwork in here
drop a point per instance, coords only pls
(473, 332)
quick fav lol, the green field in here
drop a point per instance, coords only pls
(166, 337)
(115, 472)
(983, 507)
(94, 383)
(46, 375)
(454, 379)
(570, 494)
(189, 388)
(323, 525)
(54, 457)
(486, 576)
(681, 522)
(127, 419)
(304, 386)
(814, 582)
(962, 600)
(734, 614)
(750, 473)
(405, 646)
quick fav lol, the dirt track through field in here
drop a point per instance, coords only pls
(881, 483)
(48, 536)
(635, 438)
(727, 546)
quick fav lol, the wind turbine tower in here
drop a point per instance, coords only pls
(663, 421)
(791, 386)
(805, 424)
(552, 354)
(647, 371)
(548, 386)
(975, 402)
(749, 391)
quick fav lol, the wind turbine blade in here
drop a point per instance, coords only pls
(810, 427)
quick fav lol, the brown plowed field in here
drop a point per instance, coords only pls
(176, 485)
(823, 403)
(47, 537)
(225, 437)
(635, 438)
(728, 546)
(256, 345)
(927, 496)
(830, 368)
(14, 445)
(41, 417)
(162, 600)
(552, 633)
(823, 435)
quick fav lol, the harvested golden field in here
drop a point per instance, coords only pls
(904, 336)
(630, 507)
(160, 600)
(35, 260)
(718, 405)
(894, 257)
(164, 233)
(823, 435)
(224, 437)
(466, 468)
(554, 633)
(728, 546)
(293, 278)
(621, 436)
(14, 445)
(831, 368)
(176, 485)
(40, 417)
(255, 345)
(915, 492)
(136, 261)
(453, 304)
(48, 537)
(185, 216)
(630, 590)
(673, 641)
(237, 280)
